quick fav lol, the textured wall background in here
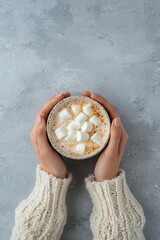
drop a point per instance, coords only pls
(110, 47)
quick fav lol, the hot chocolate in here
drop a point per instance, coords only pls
(78, 127)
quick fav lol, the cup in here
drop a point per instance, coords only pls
(78, 127)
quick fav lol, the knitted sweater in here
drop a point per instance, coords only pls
(116, 213)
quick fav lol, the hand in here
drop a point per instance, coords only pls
(107, 166)
(50, 160)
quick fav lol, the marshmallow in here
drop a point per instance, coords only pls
(81, 118)
(73, 126)
(82, 136)
(95, 120)
(76, 108)
(65, 114)
(87, 127)
(61, 132)
(96, 138)
(80, 148)
(70, 137)
(87, 109)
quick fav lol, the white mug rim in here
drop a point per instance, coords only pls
(70, 98)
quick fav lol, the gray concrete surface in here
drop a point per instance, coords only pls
(110, 47)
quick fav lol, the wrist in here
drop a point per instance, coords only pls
(58, 174)
(109, 176)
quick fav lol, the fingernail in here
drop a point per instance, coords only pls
(95, 94)
(66, 92)
(117, 122)
(59, 95)
(87, 92)
(39, 119)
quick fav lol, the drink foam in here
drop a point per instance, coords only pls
(67, 148)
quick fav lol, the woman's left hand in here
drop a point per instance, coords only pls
(107, 166)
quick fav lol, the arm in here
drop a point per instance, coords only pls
(116, 213)
(43, 214)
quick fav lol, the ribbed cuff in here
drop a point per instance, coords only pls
(43, 214)
(45, 178)
(113, 198)
(105, 193)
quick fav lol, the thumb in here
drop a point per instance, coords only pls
(41, 132)
(115, 135)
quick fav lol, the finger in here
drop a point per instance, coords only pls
(33, 140)
(44, 111)
(123, 142)
(116, 132)
(86, 93)
(110, 108)
(33, 133)
(50, 160)
(41, 136)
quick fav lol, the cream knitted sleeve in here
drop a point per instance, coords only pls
(43, 214)
(116, 213)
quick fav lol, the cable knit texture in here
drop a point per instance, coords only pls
(116, 213)
(43, 214)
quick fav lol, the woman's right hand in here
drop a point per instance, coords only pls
(51, 161)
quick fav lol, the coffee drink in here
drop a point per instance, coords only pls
(78, 127)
